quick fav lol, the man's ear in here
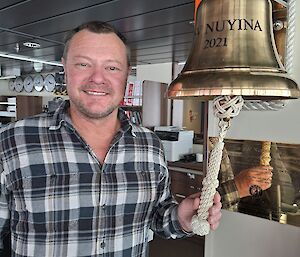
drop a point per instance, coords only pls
(129, 70)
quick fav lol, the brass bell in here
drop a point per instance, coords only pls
(234, 53)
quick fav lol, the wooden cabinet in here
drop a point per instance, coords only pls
(14, 108)
(28, 106)
(186, 178)
(184, 182)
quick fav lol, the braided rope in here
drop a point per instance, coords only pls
(265, 156)
(290, 38)
(258, 105)
(225, 108)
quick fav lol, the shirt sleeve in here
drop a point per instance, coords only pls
(165, 221)
(4, 212)
(229, 194)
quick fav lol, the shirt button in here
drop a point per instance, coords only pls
(73, 223)
(103, 206)
(102, 244)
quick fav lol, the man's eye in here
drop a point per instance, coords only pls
(82, 64)
(113, 68)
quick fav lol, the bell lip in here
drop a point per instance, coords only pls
(273, 85)
(207, 95)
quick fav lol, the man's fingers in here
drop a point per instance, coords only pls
(257, 173)
(263, 182)
(261, 176)
(214, 220)
(217, 197)
(215, 209)
(215, 213)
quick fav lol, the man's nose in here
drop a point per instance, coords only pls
(98, 75)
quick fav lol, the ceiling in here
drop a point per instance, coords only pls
(158, 31)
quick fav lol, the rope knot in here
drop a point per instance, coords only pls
(227, 106)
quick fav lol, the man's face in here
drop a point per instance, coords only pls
(96, 71)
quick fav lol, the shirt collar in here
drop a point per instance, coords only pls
(61, 116)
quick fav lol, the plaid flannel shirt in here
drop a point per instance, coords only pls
(58, 200)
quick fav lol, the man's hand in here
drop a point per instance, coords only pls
(189, 206)
(260, 176)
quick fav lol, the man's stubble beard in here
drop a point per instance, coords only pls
(94, 115)
(86, 112)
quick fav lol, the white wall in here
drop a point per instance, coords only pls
(161, 72)
(241, 235)
(278, 126)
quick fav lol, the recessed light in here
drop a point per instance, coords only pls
(32, 44)
(29, 59)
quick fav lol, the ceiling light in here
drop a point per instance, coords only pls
(31, 44)
(29, 59)
(17, 47)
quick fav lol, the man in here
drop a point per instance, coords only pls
(84, 181)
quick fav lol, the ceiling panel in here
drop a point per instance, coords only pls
(6, 4)
(157, 30)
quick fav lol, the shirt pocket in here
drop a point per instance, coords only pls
(30, 192)
(45, 203)
(51, 192)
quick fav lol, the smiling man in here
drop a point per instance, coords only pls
(96, 71)
(83, 180)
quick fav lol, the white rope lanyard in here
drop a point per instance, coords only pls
(290, 38)
(225, 108)
(276, 105)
